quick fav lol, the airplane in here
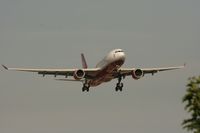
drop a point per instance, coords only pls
(106, 70)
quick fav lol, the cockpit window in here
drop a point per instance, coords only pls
(118, 51)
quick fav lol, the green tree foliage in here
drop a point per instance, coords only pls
(192, 100)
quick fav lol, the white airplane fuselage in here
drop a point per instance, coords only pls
(112, 62)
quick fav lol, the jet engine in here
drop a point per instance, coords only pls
(137, 74)
(79, 74)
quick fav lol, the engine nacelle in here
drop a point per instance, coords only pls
(137, 74)
(79, 74)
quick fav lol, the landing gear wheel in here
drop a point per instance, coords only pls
(119, 87)
(116, 88)
(85, 87)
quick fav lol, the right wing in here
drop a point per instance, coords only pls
(128, 71)
(89, 72)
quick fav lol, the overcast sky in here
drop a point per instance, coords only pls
(53, 33)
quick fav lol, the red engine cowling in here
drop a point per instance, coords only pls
(79, 74)
(137, 74)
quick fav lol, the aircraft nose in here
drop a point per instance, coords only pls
(121, 56)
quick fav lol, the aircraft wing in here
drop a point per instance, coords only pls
(128, 71)
(89, 72)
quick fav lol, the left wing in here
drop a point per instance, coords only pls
(89, 72)
(128, 71)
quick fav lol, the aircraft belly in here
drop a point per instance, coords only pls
(106, 74)
(99, 81)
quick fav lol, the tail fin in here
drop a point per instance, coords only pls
(84, 63)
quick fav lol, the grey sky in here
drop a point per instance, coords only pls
(49, 33)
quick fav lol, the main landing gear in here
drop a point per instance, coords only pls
(119, 85)
(85, 87)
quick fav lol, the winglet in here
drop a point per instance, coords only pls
(5, 67)
(184, 64)
(84, 63)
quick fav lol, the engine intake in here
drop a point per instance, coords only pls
(137, 74)
(79, 74)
